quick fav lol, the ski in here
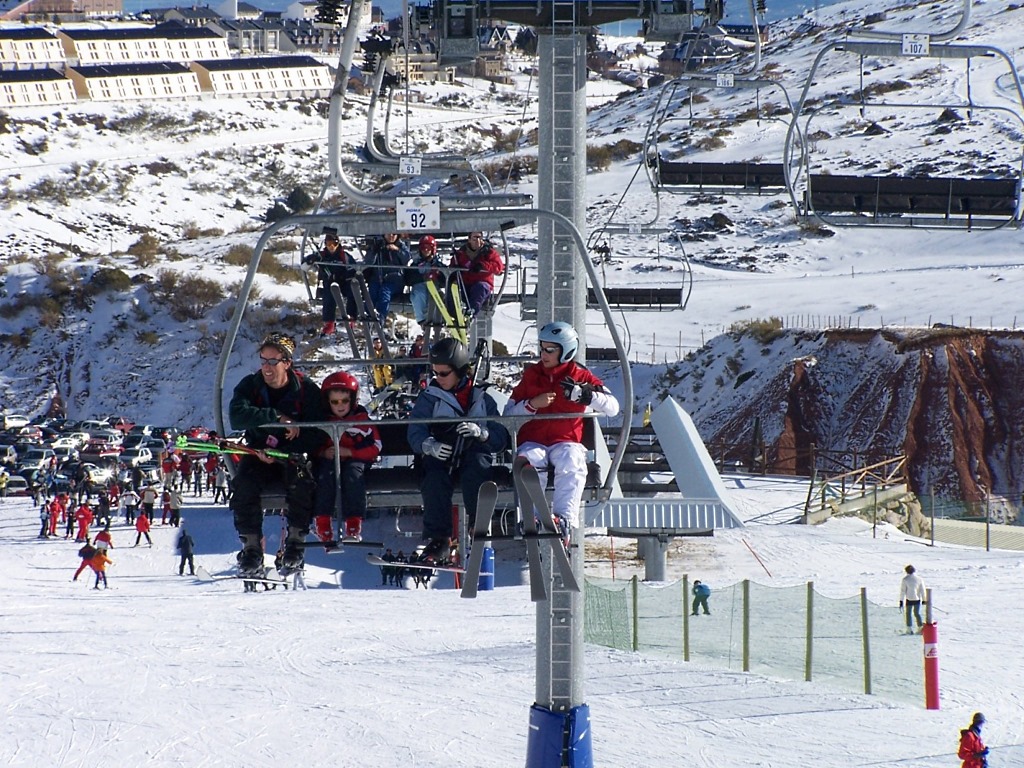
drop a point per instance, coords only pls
(538, 592)
(369, 317)
(205, 576)
(381, 562)
(449, 321)
(339, 301)
(528, 478)
(486, 500)
(337, 547)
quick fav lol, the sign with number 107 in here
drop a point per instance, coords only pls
(916, 45)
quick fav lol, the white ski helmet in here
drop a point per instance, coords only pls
(564, 335)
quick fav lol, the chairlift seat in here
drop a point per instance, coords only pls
(726, 178)
(945, 197)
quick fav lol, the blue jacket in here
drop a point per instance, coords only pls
(701, 590)
(435, 402)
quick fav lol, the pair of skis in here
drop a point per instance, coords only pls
(533, 504)
(204, 575)
(455, 319)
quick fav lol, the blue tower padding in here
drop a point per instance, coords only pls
(559, 739)
(486, 582)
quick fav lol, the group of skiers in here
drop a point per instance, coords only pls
(459, 449)
(389, 267)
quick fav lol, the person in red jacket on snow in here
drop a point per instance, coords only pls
(142, 529)
(481, 262)
(358, 447)
(84, 517)
(557, 384)
(973, 751)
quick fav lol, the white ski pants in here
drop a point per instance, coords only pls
(568, 461)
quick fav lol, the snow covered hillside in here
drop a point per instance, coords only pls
(111, 211)
(162, 670)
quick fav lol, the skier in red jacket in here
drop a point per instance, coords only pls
(83, 516)
(973, 751)
(557, 384)
(142, 529)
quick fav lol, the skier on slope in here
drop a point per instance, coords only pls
(912, 595)
(358, 447)
(452, 394)
(557, 384)
(275, 393)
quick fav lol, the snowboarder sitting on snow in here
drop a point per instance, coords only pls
(701, 593)
(275, 393)
(973, 751)
(358, 447)
(912, 594)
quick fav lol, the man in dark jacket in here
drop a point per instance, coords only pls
(276, 393)
(451, 394)
(186, 547)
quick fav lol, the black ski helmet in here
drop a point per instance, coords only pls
(451, 352)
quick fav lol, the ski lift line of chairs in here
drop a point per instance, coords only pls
(395, 480)
(909, 201)
(926, 201)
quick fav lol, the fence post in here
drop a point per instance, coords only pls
(746, 625)
(809, 652)
(931, 496)
(867, 641)
(686, 617)
(988, 518)
(636, 613)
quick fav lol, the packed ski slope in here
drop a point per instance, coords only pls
(162, 670)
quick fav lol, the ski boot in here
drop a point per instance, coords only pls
(437, 552)
(250, 558)
(353, 529)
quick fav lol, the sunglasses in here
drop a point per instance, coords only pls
(340, 400)
(442, 374)
(550, 350)
(271, 361)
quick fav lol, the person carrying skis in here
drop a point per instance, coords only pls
(557, 384)
(275, 394)
(451, 393)
(972, 750)
(389, 255)
(480, 262)
(424, 268)
(912, 594)
(701, 593)
(358, 447)
(334, 265)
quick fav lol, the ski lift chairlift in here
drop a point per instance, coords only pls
(906, 201)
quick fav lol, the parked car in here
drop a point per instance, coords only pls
(13, 420)
(97, 476)
(8, 455)
(17, 486)
(36, 458)
(135, 456)
(198, 433)
(65, 453)
(64, 442)
(93, 425)
(141, 429)
(81, 438)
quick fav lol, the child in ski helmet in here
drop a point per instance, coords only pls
(358, 447)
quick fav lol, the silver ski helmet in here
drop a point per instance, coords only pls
(564, 335)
